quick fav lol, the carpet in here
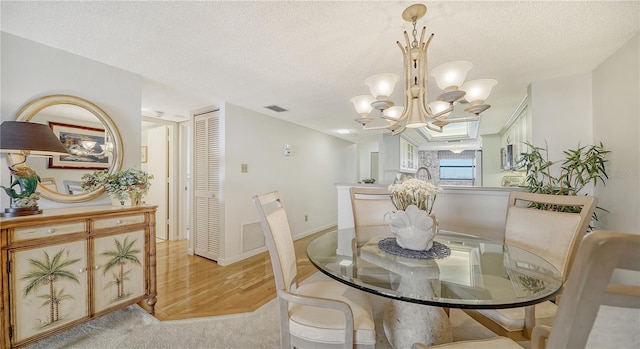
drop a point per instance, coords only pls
(132, 328)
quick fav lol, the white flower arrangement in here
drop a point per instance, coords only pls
(416, 192)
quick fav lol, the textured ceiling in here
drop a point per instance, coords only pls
(312, 57)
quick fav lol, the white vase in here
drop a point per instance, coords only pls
(413, 228)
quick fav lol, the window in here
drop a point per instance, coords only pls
(457, 167)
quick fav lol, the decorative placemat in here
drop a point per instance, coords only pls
(437, 251)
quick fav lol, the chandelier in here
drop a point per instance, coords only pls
(417, 110)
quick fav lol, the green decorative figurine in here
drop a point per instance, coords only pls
(27, 180)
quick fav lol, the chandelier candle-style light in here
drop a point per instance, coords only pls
(417, 110)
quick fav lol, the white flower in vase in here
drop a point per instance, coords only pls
(416, 192)
(413, 224)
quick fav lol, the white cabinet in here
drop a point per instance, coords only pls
(518, 133)
(398, 155)
(408, 156)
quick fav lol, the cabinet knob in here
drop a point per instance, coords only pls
(82, 270)
(96, 267)
(50, 231)
(119, 221)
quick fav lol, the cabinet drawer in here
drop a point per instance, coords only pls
(118, 221)
(35, 232)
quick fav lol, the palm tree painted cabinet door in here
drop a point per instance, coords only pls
(50, 288)
(120, 266)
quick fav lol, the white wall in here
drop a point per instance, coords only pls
(602, 106)
(562, 117)
(364, 159)
(31, 70)
(306, 179)
(561, 113)
(616, 96)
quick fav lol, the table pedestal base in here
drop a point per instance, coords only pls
(407, 323)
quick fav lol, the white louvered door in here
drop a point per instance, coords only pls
(206, 181)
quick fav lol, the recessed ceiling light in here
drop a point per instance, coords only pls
(343, 131)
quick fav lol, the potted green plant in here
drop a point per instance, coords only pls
(580, 167)
(127, 186)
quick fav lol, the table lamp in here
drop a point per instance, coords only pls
(25, 139)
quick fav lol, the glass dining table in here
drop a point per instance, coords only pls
(468, 272)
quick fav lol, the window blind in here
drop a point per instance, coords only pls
(465, 155)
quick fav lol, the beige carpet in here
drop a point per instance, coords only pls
(134, 328)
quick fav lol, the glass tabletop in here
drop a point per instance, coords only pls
(476, 274)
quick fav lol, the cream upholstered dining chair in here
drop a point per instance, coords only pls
(588, 287)
(548, 233)
(321, 314)
(370, 205)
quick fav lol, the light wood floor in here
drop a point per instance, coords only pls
(191, 286)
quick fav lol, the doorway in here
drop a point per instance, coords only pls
(158, 159)
(374, 167)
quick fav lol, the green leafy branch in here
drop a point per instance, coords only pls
(580, 167)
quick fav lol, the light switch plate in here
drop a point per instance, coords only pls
(244, 168)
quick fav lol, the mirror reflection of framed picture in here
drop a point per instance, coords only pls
(86, 146)
(143, 155)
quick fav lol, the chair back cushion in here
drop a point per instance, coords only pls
(547, 234)
(370, 205)
(275, 226)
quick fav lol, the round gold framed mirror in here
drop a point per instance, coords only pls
(88, 133)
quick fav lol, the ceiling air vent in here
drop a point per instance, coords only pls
(276, 108)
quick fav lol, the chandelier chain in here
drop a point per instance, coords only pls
(415, 33)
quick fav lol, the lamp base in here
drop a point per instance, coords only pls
(20, 211)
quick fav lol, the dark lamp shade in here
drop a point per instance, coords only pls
(37, 139)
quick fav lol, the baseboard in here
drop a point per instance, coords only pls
(240, 257)
(331, 226)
